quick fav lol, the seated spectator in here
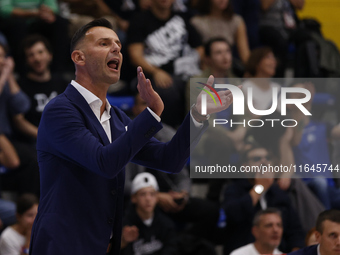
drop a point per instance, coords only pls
(13, 101)
(260, 68)
(19, 18)
(146, 230)
(267, 230)
(218, 61)
(311, 146)
(277, 26)
(217, 18)
(38, 83)
(15, 239)
(327, 235)
(244, 197)
(168, 48)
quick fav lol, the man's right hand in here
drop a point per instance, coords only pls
(225, 95)
(147, 93)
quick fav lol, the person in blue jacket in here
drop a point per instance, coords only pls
(84, 144)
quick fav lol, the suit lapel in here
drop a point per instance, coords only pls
(79, 101)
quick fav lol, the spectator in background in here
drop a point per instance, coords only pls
(81, 12)
(19, 18)
(267, 230)
(244, 197)
(13, 101)
(311, 146)
(146, 230)
(260, 68)
(249, 10)
(327, 235)
(218, 61)
(168, 48)
(217, 18)
(277, 27)
(38, 83)
(15, 239)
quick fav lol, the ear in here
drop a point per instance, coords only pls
(78, 57)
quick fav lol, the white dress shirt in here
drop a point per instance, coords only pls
(95, 103)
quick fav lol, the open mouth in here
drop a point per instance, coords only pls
(113, 64)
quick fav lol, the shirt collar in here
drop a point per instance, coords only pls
(89, 96)
(318, 249)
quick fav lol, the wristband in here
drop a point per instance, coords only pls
(197, 115)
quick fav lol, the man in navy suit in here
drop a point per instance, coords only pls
(327, 234)
(84, 144)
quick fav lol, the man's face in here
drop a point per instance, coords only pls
(2, 58)
(220, 56)
(269, 230)
(329, 239)
(258, 157)
(103, 57)
(38, 58)
(145, 199)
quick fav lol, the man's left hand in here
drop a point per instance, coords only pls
(147, 93)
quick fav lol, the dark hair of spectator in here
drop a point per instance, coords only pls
(331, 215)
(31, 40)
(25, 202)
(255, 58)
(256, 220)
(4, 47)
(204, 7)
(79, 35)
(207, 45)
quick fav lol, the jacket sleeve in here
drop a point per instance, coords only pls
(63, 133)
(170, 157)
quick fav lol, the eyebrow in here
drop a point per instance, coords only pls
(109, 39)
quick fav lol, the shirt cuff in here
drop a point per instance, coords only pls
(196, 123)
(154, 114)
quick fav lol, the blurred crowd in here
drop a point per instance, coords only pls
(261, 44)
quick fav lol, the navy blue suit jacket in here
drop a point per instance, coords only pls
(310, 250)
(82, 174)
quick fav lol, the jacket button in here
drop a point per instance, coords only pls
(110, 220)
(113, 192)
